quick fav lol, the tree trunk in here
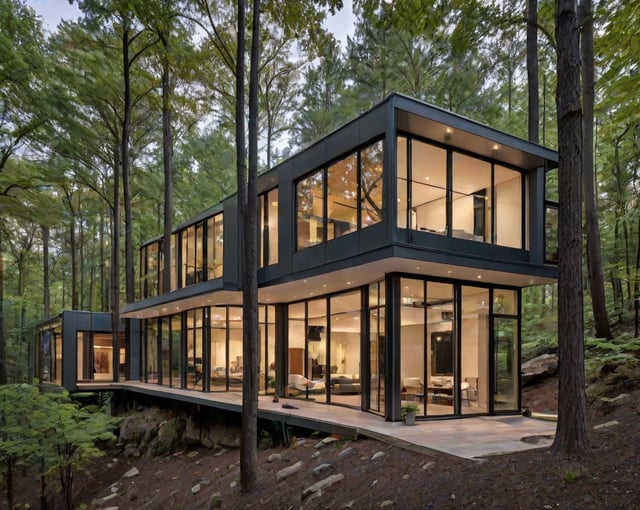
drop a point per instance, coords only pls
(125, 155)
(167, 160)
(532, 71)
(104, 288)
(594, 249)
(46, 299)
(3, 338)
(248, 448)
(636, 291)
(81, 262)
(114, 284)
(571, 434)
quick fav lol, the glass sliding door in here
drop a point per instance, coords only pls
(413, 359)
(177, 361)
(165, 363)
(376, 346)
(505, 346)
(344, 349)
(218, 348)
(296, 366)
(474, 351)
(316, 336)
(236, 364)
(441, 349)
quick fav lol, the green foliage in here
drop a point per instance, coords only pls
(570, 476)
(50, 432)
(410, 407)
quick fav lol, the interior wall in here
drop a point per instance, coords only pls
(412, 338)
(509, 213)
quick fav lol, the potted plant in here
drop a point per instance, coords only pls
(408, 412)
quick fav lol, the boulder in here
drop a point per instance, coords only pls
(218, 434)
(539, 368)
(192, 431)
(170, 434)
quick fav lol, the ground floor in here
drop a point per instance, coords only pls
(450, 348)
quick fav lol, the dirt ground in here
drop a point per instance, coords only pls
(369, 474)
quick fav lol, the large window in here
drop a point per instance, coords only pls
(215, 246)
(508, 207)
(310, 210)
(445, 192)
(471, 198)
(268, 228)
(428, 188)
(371, 184)
(340, 199)
(506, 353)
(200, 258)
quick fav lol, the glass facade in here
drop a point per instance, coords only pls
(268, 243)
(199, 257)
(446, 192)
(201, 349)
(440, 338)
(340, 199)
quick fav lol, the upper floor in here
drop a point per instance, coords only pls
(406, 183)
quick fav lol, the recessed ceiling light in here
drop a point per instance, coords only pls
(479, 277)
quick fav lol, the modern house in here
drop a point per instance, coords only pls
(392, 257)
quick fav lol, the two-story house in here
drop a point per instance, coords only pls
(392, 257)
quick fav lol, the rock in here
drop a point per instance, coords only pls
(617, 401)
(349, 504)
(452, 497)
(373, 483)
(219, 434)
(274, 457)
(325, 442)
(110, 496)
(377, 455)
(386, 503)
(196, 488)
(131, 473)
(539, 368)
(315, 455)
(345, 452)
(111, 508)
(192, 432)
(427, 465)
(288, 471)
(606, 425)
(319, 469)
(133, 429)
(406, 476)
(216, 500)
(170, 434)
(322, 484)
(233, 484)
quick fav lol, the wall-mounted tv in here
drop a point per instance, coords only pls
(314, 333)
(441, 353)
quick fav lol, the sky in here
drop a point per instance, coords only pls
(52, 11)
